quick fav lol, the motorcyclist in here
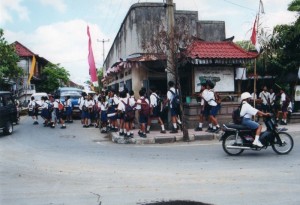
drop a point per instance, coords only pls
(247, 112)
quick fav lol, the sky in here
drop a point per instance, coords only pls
(56, 29)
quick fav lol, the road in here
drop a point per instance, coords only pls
(78, 166)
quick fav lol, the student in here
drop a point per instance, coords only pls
(156, 105)
(68, 106)
(202, 104)
(143, 106)
(127, 114)
(132, 102)
(247, 112)
(32, 110)
(172, 92)
(284, 103)
(87, 110)
(81, 103)
(121, 112)
(113, 102)
(57, 114)
(209, 96)
(103, 113)
(45, 111)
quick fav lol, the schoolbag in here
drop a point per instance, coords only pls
(145, 108)
(175, 101)
(129, 113)
(236, 115)
(50, 107)
(158, 101)
(60, 106)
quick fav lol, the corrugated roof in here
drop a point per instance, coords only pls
(217, 50)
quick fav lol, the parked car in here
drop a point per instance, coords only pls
(74, 94)
(8, 112)
(38, 97)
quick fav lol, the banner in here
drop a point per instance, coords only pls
(32, 68)
(91, 60)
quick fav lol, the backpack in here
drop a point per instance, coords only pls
(175, 101)
(60, 106)
(236, 115)
(218, 98)
(158, 100)
(129, 111)
(145, 108)
(50, 107)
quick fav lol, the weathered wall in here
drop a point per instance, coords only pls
(145, 21)
(211, 30)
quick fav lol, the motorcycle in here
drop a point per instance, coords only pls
(238, 138)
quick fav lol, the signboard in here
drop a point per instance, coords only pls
(222, 77)
(297, 93)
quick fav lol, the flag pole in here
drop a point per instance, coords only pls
(255, 63)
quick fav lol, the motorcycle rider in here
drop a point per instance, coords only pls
(247, 112)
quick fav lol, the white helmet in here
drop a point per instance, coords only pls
(245, 96)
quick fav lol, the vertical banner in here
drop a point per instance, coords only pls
(31, 71)
(91, 60)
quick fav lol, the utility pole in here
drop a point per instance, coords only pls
(103, 41)
(170, 33)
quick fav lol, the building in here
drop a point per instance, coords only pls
(138, 57)
(22, 89)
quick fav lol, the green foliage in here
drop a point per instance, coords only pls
(53, 77)
(9, 69)
(100, 76)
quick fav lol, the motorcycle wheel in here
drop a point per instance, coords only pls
(231, 140)
(287, 143)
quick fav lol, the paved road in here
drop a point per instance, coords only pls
(77, 166)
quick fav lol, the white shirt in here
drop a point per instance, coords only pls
(103, 106)
(272, 98)
(209, 97)
(68, 103)
(282, 98)
(55, 103)
(81, 102)
(89, 103)
(121, 105)
(44, 105)
(265, 96)
(153, 99)
(170, 95)
(247, 110)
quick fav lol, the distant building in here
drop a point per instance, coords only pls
(22, 89)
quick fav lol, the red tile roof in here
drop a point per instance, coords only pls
(217, 50)
(22, 51)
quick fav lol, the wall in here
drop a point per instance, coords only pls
(144, 22)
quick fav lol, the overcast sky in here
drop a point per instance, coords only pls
(56, 29)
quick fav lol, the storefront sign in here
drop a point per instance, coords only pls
(222, 77)
(297, 93)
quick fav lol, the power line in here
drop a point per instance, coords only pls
(239, 5)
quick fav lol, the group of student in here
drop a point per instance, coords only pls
(52, 111)
(116, 112)
(279, 104)
(210, 104)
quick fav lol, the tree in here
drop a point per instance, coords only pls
(53, 77)
(9, 69)
(170, 42)
(100, 76)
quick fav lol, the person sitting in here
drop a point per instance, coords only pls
(247, 112)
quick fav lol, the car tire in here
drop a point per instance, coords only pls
(8, 130)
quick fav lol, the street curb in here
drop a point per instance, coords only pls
(161, 139)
